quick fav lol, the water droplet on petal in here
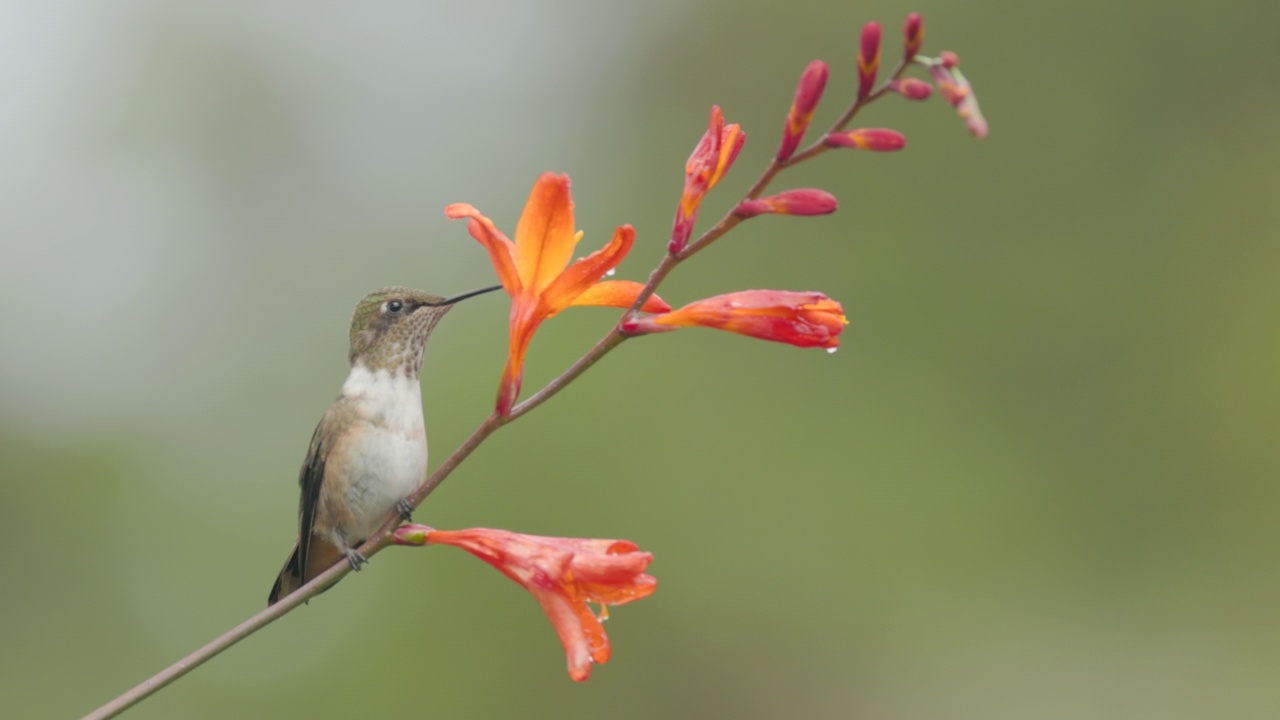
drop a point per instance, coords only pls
(832, 351)
(611, 272)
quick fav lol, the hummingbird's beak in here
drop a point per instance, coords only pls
(465, 295)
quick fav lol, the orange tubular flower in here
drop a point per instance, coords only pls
(803, 319)
(536, 273)
(711, 159)
(563, 574)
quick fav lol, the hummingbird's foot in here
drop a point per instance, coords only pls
(355, 558)
(405, 509)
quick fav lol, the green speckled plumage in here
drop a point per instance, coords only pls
(394, 342)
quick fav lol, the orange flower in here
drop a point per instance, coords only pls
(803, 319)
(563, 574)
(711, 159)
(536, 273)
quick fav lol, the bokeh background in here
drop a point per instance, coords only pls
(1039, 480)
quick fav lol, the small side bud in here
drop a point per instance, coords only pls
(873, 139)
(805, 201)
(868, 59)
(949, 59)
(415, 535)
(808, 92)
(642, 325)
(912, 36)
(912, 88)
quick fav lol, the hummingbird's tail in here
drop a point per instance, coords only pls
(290, 579)
(320, 556)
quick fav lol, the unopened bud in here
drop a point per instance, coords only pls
(912, 36)
(874, 139)
(808, 92)
(868, 58)
(804, 201)
(912, 88)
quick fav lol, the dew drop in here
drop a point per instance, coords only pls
(611, 272)
(832, 351)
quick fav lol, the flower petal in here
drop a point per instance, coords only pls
(581, 275)
(501, 250)
(526, 315)
(545, 234)
(569, 626)
(621, 294)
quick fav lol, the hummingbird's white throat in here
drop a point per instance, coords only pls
(392, 400)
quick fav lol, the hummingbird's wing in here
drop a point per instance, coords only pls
(310, 478)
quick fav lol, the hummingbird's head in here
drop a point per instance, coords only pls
(390, 327)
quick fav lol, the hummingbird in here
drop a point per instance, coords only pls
(369, 451)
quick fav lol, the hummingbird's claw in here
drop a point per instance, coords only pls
(355, 558)
(405, 509)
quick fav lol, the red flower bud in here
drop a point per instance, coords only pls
(792, 202)
(912, 35)
(912, 88)
(874, 139)
(711, 159)
(808, 93)
(868, 58)
(949, 59)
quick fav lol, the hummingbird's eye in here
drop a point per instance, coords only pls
(394, 306)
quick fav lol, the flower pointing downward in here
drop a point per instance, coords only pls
(536, 273)
(563, 574)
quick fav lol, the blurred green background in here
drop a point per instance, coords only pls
(1038, 481)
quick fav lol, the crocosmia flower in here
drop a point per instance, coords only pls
(563, 574)
(711, 159)
(803, 319)
(536, 273)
